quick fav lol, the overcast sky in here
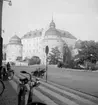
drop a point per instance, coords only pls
(79, 17)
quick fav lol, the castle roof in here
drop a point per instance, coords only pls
(52, 30)
(57, 32)
(66, 34)
(15, 40)
(32, 34)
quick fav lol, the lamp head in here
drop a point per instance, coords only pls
(10, 3)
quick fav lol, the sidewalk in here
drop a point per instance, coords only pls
(9, 97)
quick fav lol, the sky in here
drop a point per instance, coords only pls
(79, 17)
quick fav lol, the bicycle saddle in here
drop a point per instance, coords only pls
(24, 80)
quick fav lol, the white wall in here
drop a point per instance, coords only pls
(13, 51)
(31, 47)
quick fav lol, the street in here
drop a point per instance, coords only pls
(54, 93)
(86, 82)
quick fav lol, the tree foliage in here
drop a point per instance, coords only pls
(88, 52)
(26, 59)
(54, 56)
(19, 58)
(34, 60)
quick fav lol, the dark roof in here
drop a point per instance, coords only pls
(66, 34)
(52, 31)
(32, 34)
(15, 39)
(57, 32)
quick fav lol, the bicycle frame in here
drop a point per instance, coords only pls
(28, 94)
(30, 97)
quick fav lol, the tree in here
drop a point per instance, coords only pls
(34, 60)
(26, 59)
(54, 56)
(19, 58)
(88, 52)
(66, 54)
(78, 44)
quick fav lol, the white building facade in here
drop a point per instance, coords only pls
(34, 42)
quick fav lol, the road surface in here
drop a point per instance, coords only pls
(55, 94)
(79, 80)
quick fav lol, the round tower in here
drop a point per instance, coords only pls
(52, 39)
(14, 49)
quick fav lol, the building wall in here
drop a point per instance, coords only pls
(35, 46)
(51, 42)
(31, 47)
(13, 51)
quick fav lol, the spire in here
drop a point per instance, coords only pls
(52, 17)
(15, 34)
(52, 24)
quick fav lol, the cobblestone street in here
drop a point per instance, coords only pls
(9, 97)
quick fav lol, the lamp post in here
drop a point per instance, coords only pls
(1, 39)
(46, 51)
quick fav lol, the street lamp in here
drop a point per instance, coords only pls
(1, 39)
(9, 2)
(46, 51)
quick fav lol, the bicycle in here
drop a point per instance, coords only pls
(7, 74)
(2, 87)
(25, 94)
(39, 72)
(10, 74)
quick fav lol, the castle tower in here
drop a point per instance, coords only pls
(14, 49)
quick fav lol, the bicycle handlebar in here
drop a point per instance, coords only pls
(26, 80)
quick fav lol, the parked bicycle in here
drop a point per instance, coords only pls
(2, 87)
(39, 72)
(10, 74)
(6, 74)
(25, 92)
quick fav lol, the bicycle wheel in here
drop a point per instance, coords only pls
(2, 87)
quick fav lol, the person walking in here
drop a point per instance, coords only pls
(8, 66)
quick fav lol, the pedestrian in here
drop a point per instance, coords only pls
(8, 66)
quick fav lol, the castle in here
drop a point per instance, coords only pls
(33, 43)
